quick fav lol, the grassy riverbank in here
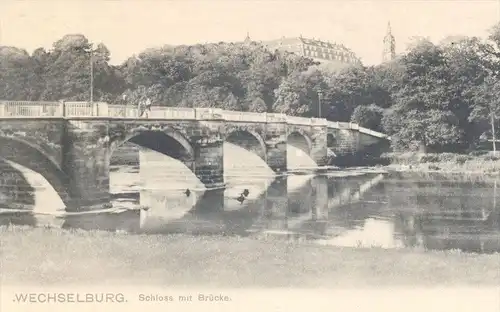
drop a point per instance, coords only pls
(443, 162)
(54, 256)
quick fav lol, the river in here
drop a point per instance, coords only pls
(341, 208)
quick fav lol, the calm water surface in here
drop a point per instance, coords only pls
(361, 210)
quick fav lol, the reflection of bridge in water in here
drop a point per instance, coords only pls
(355, 210)
(278, 207)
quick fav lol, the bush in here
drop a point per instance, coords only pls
(429, 158)
(461, 159)
(445, 157)
(491, 157)
(478, 153)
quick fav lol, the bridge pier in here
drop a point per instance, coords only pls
(319, 146)
(276, 156)
(275, 138)
(85, 161)
(208, 163)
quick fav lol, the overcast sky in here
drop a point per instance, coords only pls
(129, 26)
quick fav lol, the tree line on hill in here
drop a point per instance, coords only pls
(436, 97)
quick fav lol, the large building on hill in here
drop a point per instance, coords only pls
(327, 52)
(317, 50)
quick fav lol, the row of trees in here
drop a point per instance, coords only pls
(435, 96)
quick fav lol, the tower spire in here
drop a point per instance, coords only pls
(247, 38)
(389, 51)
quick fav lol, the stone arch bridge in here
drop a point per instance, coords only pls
(70, 143)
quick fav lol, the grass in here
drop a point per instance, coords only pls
(43, 256)
(444, 162)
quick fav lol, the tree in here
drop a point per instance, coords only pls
(231, 103)
(298, 95)
(368, 116)
(19, 75)
(422, 113)
(468, 69)
(487, 107)
(67, 71)
(258, 106)
(346, 90)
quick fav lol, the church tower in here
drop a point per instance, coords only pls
(389, 45)
(247, 38)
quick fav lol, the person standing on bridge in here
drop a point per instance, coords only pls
(144, 108)
(147, 108)
(140, 108)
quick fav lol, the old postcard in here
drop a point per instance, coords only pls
(215, 155)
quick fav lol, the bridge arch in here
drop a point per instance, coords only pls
(331, 142)
(247, 139)
(168, 142)
(300, 140)
(32, 157)
(144, 138)
(331, 145)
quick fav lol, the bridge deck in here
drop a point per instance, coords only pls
(28, 109)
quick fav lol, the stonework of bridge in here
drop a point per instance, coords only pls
(70, 143)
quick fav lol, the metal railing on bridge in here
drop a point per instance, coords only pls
(29, 109)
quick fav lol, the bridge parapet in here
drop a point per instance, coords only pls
(208, 113)
(373, 133)
(273, 117)
(173, 113)
(294, 120)
(319, 121)
(122, 111)
(244, 116)
(356, 127)
(17, 109)
(31, 109)
(343, 125)
(84, 109)
(333, 124)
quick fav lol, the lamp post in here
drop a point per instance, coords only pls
(493, 137)
(320, 97)
(91, 63)
(91, 52)
(91, 73)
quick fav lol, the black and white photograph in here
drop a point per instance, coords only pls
(217, 155)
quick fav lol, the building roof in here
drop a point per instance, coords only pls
(325, 44)
(312, 42)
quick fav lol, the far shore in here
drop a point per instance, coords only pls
(425, 168)
(486, 164)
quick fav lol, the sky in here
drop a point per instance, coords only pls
(127, 27)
